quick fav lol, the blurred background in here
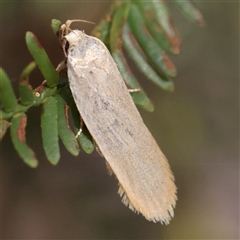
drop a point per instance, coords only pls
(196, 126)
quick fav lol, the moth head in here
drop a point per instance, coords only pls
(65, 30)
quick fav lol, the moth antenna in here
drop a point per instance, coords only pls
(69, 22)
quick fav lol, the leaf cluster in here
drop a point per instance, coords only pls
(141, 29)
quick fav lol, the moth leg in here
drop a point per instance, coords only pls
(61, 66)
(130, 89)
(64, 30)
(81, 128)
(134, 90)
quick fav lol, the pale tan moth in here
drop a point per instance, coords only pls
(146, 183)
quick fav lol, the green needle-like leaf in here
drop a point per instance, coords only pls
(64, 131)
(134, 52)
(102, 30)
(17, 128)
(86, 141)
(149, 46)
(118, 22)
(163, 17)
(25, 90)
(154, 28)
(140, 98)
(49, 126)
(56, 25)
(190, 11)
(42, 60)
(7, 96)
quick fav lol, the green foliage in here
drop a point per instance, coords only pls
(143, 29)
(67, 136)
(153, 51)
(17, 128)
(42, 60)
(8, 99)
(25, 90)
(49, 124)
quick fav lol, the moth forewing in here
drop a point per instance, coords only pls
(146, 182)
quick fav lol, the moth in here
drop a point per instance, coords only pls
(146, 183)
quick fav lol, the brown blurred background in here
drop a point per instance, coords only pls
(196, 127)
